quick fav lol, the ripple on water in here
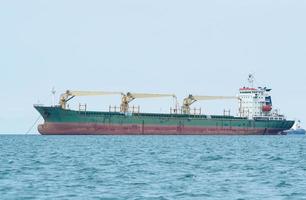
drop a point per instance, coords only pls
(152, 167)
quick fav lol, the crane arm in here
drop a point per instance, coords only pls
(91, 93)
(68, 95)
(147, 95)
(214, 97)
(191, 99)
(126, 99)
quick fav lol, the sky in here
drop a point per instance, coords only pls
(161, 46)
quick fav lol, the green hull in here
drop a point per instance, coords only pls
(60, 121)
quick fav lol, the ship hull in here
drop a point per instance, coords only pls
(140, 129)
(58, 121)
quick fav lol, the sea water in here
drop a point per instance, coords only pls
(152, 167)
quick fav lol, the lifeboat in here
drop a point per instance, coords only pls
(266, 108)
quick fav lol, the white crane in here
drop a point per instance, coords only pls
(188, 101)
(125, 100)
(68, 95)
(128, 97)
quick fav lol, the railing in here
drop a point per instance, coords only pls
(175, 111)
(196, 111)
(132, 109)
(193, 111)
(114, 109)
(227, 112)
(82, 107)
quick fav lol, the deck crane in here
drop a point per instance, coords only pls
(68, 95)
(128, 97)
(191, 99)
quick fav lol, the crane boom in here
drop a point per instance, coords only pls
(213, 97)
(68, 95)
(147, 95)
(91, 93)
(188, 101)
(127, 98)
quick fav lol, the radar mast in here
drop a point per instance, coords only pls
(251, 80)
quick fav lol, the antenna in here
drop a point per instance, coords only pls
(251, 80)
(53, 91)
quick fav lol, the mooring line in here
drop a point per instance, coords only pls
(33, 124)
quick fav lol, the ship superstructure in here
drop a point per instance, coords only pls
(256, 103)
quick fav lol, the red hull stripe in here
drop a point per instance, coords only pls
(139, 129)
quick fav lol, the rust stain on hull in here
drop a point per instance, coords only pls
(141, 129)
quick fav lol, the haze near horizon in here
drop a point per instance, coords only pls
(194, 47)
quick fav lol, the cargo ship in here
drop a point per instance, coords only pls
(256, 116)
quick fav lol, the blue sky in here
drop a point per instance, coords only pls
(183, 47)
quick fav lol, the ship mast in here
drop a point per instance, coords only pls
(251, 80)
(53, 96)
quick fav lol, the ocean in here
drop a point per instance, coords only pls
(152, 167)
